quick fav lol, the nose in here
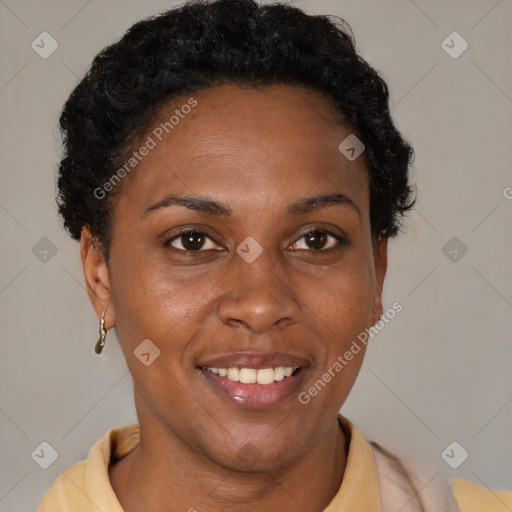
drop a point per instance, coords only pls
(258, 296)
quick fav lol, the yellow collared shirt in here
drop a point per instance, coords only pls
(85, 486)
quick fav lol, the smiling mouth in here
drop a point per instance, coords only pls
(257, 388)
(262, 376)
(254, 380)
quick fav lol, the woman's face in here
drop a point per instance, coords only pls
(221, 258)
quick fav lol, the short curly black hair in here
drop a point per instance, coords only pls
(204, 43)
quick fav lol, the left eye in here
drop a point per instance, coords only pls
(318, 241)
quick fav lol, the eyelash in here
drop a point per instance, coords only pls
(339, 238)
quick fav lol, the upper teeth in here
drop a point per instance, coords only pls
(252, 376)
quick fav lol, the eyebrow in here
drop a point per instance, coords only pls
(310, 204)
(212, 207)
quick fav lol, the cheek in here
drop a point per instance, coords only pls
(343, 305)
(148, 294)
(152, 304)
(168, 306)
(343, 311)
(343, 301)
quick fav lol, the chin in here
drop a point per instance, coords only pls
(248, 457)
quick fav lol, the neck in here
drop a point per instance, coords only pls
(167, 475)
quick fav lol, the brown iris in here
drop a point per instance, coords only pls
(316, 239)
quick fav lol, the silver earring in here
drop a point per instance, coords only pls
(103, 334)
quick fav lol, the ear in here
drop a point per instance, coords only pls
(96, 277)
(381, 264)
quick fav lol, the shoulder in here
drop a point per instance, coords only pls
(410, 488)
(67, 492)
(86, 485)
(413, 489)
(473, 497)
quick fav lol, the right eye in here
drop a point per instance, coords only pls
(191, 241)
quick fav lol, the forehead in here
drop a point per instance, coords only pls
(240, 143)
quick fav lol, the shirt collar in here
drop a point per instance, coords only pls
(359, 491)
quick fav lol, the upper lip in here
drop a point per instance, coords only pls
(253, 360)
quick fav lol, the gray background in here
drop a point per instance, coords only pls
(439, 372)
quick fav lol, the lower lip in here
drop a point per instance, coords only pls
(256, 396)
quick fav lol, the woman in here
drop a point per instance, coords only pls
(233, 176)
